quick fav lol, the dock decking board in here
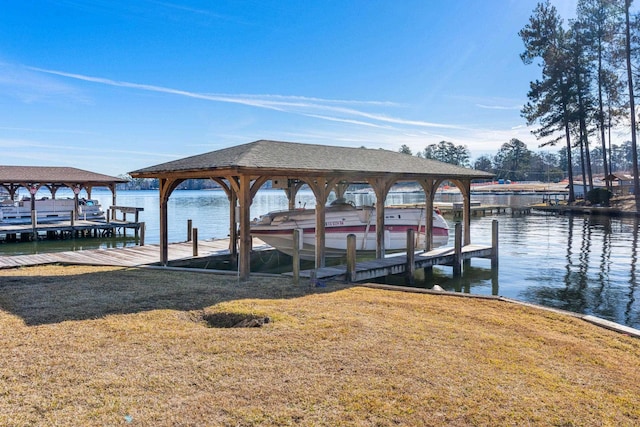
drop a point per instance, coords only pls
(131, 256)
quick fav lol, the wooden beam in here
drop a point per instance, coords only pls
(381, 186)
(232, 196)
(166, 188)
(257, 183)
(233, 229)
(244, 198)
(465, 189)
(321, 188)
(320, 192)
(340, 188)
(429, 186)
(292, 191)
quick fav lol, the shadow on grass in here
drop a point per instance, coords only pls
(57, 298)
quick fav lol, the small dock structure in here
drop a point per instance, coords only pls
(397, 264)
(456, 209)
(60, 230)
(406, 263)
(52, 179)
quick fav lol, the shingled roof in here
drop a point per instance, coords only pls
(288, 158)
(53, 175)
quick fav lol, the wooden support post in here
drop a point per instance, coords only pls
(313, 277)
(194, 233)
(494, 282)
(244, 199)
(233, 226)
(143, 227)
(411, 257)
(457, 251)
(380, 243)
(351, 258)
(494, 244)
(296, 256)
(73, 218)
(34, 220)
(320, 233)
(189, 229)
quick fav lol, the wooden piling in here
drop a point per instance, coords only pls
(312, 277)
(195, 241)
(494, 244)
(411, 257)
(296, 256)
(351, 258)
(189, 229)
(143, 227)
(34, 221)
(457, 251)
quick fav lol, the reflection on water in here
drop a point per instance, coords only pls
(581, 264)
(585, 264)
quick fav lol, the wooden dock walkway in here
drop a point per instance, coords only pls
(477, 209)
(484, 210)
(132, 256)
(397, 264)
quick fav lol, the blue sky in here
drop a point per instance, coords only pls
(112, 86)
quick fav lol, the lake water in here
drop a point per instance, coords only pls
(579, 263)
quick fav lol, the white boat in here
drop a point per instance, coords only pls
(48, 210)
(341, 219)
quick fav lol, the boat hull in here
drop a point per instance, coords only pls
(48, 210)
(276, 229)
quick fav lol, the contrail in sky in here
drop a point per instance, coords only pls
(290, 104)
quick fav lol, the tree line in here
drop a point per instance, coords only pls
(516, 162)
(589, 72)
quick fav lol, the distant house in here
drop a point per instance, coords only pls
(621, 184)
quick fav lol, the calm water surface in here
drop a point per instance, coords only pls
(578, 263)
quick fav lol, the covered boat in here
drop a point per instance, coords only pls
(19, 212)
(341, 219)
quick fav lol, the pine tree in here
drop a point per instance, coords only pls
(551, 99)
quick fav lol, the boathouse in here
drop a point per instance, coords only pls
(241, 171)
(53, 178)
(621, 184)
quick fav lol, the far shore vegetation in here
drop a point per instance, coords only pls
(87, 345)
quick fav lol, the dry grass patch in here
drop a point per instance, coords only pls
(108, 346)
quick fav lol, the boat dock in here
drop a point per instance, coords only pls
(131, 256)
(75, 227)
(136, 256)
(67, 229)
(456, 209)
(398, 264)
(406, 263)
